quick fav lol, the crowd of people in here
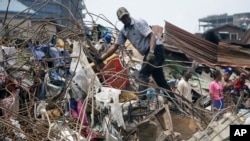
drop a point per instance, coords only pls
(225, 92)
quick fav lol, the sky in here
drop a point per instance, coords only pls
(182, 13)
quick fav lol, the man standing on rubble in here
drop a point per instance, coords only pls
(183, 86)
(139, 33)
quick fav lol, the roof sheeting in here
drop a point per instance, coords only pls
(203, 51)
(233, 55)
(194, 47)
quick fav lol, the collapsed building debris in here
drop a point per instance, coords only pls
(52, 89)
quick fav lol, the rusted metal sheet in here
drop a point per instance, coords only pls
(194, 47)
(203, 51)
(233, 55)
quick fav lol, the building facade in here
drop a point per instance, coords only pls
(62, 11)
(241, 20)
(229, 33)
(14, 20)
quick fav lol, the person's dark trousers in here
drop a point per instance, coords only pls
(156, 70)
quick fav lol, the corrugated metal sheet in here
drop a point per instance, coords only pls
(203, 51)
(194, 47)
(234, 55)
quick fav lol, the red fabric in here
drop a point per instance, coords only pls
(82, 116)
(86, 131)
(237, 84)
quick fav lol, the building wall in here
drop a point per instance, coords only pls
(248, 41)
(57, 11)
(16, 25)
(42, 25)
(241, 20)
(28, 28)
(233, 33)
(158, 30)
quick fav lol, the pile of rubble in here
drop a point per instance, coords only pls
(52, 89)
(68, 97)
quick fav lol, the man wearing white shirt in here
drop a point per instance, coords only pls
(183, 86)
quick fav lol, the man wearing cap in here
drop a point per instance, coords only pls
(139, 33)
